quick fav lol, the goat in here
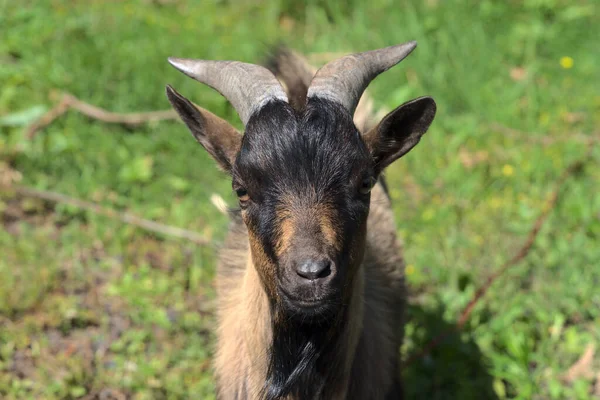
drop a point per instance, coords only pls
(310, 281)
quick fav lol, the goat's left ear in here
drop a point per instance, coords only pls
(399, 131)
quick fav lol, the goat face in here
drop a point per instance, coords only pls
(303, 176)
(303, 179)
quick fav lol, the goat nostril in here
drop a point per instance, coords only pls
(314, 269)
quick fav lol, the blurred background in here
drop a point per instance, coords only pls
(93, 307)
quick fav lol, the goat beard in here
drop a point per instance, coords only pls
(302, 356)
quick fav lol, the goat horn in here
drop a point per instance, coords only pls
(248, 87)
(344, 80)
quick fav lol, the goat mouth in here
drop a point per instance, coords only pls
(308, 305)
(321, 307)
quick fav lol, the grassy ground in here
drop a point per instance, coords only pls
(92, 307)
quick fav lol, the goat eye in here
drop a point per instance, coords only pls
(242, 195)
(366, 185)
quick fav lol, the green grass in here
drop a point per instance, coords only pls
(89, 305)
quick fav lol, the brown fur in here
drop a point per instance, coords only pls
(326, 217)
(286, 231)
(293, 219)
(261, 263)
(221, 140)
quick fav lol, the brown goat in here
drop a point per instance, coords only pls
(310, 279)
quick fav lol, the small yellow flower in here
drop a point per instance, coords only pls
(495, 203)
(508, 170)
(410, 269)
(566, 62)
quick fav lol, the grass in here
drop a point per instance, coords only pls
(89, 306)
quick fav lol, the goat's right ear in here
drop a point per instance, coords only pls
(217, 136)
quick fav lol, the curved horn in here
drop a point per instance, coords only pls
(344, 80)
(248, 87)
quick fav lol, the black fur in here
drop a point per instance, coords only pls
(314, 156)
(302, 359)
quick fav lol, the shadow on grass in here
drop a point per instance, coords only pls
(454, 369)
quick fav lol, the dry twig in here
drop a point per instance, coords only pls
(583, 367)
(521, 254)
(68, 101)
(124, 217)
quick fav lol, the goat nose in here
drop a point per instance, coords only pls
(314, 269)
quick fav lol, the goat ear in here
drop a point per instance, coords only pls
(218, 137)
(399, 131)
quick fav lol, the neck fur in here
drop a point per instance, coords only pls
(296, 360)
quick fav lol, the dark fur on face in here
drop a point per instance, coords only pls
(308, 167)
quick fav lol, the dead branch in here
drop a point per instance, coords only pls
(55, 112)
(125, 217)
(517, 258)
(68, 101)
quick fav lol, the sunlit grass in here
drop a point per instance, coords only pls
(89, 305)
